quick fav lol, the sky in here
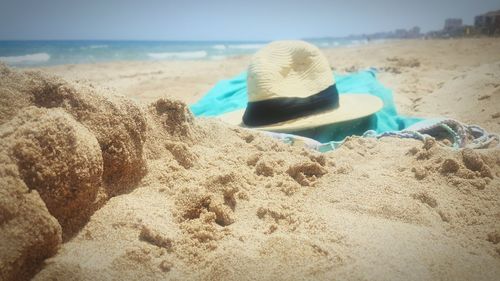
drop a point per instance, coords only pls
(224, 20)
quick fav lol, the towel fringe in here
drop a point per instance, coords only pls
(461, 135)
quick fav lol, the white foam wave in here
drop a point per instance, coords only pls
(94, 47)
(247, 46)
(31, 58)
(219, 47)
(178, 55)
(98, 46)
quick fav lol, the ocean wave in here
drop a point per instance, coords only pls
(247, 46)
(30, 58)
(219, 47)
(94, 47)
(329, 44)
(98, 46)
(178, 55)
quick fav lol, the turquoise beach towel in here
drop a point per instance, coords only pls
(230, 95)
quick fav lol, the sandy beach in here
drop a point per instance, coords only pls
(108, 176)
(428, 77)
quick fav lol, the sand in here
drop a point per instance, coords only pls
(106, 175)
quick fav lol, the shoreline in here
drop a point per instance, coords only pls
(33, 53)
(423, 74)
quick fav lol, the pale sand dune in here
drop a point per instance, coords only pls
(165, 196)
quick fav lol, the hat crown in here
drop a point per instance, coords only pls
(288, 69)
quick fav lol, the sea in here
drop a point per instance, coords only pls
(28, 53)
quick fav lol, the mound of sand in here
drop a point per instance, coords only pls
(59, 158)
(117, 123)
(66, 150)
(29, 233)
(174, 197)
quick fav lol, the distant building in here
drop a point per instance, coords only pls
(406, 34)
(452, 25)
(400, 33)
(488, 23)
(414, 32)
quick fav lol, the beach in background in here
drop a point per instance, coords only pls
(456, 78)
(106, 174)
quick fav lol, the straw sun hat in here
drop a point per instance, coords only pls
(291, 87)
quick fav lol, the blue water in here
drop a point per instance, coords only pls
(46, 53)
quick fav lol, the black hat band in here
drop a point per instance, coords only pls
(266, 112)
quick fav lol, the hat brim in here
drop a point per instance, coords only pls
(351, 107)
